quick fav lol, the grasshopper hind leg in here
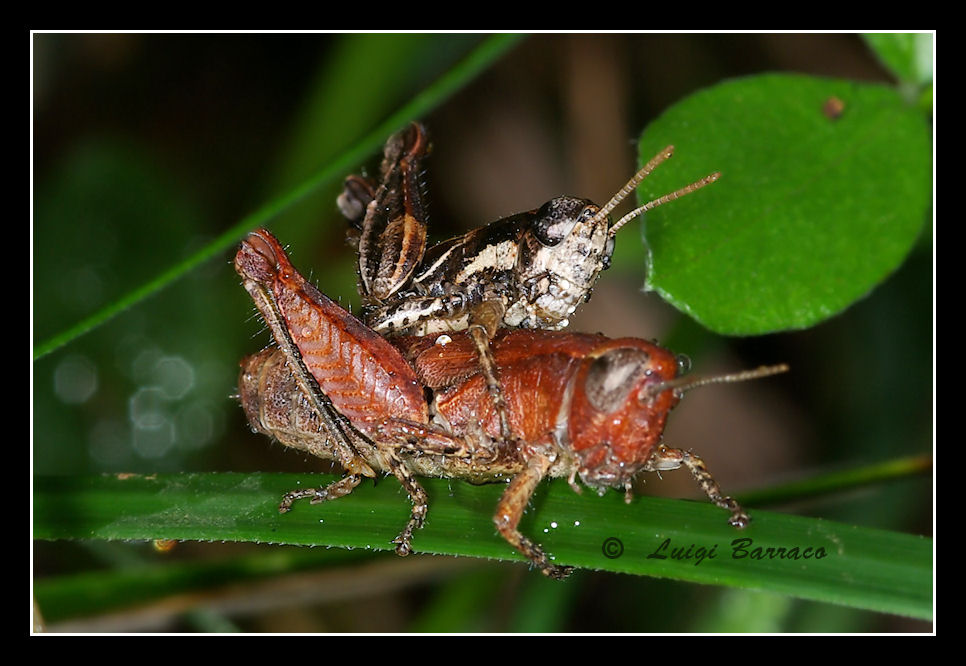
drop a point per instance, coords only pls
(510, 510)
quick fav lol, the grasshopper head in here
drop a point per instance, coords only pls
(620, 402)
(563, 250)
(616, 418)
(566, 244)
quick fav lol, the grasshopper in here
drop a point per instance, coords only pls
(582, 406)
(530, 270)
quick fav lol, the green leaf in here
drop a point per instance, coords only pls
(907, 55)
(825, 187)
(860, 567)
(99, 591)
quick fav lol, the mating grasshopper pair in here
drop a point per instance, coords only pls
(469, 379)
(530, 270)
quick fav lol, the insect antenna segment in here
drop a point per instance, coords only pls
(682, 384)
(632, 184)
(688, 189)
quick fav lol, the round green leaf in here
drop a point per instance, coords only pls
(825, 187)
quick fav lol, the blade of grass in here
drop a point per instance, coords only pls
(690, 541)
(839, 481)
(460, 604)
(487, 53)
(93, 592)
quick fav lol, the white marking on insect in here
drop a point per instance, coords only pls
(501, 256)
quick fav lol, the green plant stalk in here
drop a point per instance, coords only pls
(864, 568)
(484, 55)
(840, 481)
(100, 591)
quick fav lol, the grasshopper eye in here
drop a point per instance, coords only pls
(613, 375)
(556, 219)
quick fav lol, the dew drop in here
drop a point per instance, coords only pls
(684, 364)
(174, 375)
(75, 379)
(155, 441)
(148, 407)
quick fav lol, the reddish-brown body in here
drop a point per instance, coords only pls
(354, 366)
(577, 405)
(544, 376)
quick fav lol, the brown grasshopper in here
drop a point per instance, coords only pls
(530, 270)
(582, 406)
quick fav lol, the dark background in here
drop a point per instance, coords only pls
(147, 146)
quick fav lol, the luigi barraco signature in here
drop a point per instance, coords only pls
(741, 549)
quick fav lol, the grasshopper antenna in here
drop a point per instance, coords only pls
(632, 184)
(707, 180)
(682, 384)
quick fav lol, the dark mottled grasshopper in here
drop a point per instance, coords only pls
(530, 270)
